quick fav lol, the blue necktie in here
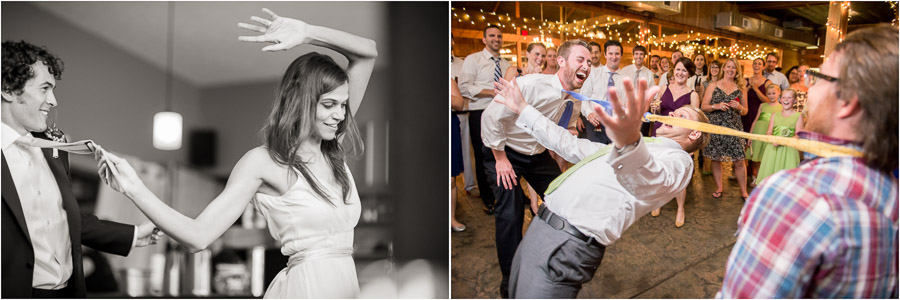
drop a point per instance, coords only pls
(567, 114)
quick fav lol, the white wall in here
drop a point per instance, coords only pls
(105, 94)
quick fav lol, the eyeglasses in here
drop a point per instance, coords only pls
(812, 73)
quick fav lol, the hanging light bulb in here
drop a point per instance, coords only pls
(167, 124)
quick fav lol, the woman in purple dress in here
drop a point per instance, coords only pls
(671, 97)
(756, 95)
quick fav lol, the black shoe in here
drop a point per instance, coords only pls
(504, 292)
(488, 210)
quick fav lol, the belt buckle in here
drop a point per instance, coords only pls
(554, 221)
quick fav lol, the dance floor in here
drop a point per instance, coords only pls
(653, 259)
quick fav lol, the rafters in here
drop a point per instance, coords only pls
(775, 5)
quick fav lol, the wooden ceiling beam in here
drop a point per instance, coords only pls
(775, 5)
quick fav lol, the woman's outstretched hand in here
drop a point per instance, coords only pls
(117, 173)
(285, 33)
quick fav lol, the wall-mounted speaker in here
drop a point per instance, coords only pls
(203, 148)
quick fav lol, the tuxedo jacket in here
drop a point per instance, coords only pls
(17, 262)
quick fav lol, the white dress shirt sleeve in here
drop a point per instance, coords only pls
(493, 134)
(652, 178)
(554, 137)
(134, 239)
(467, 86)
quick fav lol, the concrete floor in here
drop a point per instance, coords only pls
(653, 259)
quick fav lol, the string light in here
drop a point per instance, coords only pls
(894, 6)
(833, 27)
(594, 29)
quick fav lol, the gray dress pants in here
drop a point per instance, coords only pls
(551, 263)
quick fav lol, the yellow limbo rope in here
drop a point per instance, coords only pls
(815, 147)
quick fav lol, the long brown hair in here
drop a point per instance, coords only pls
(293, 116)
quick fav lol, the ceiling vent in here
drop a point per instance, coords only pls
(657, 7)
(739, 23)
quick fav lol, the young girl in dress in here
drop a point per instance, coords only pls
(761, 126)
(776, 157)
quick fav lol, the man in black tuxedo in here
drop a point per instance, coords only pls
(42, 227)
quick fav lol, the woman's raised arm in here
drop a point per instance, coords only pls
(287, 33)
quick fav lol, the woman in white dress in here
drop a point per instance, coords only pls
(298, 178)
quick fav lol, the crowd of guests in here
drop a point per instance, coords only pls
(508, 147)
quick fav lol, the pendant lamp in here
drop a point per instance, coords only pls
(167, 124)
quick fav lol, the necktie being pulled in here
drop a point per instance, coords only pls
(79, 147)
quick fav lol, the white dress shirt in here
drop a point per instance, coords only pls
(477, 74)
(455, 67)
(596, 87)
(498, 129)
(632, 71)
(607, 195)
(777, 78)
(42, 207)
(47, 222)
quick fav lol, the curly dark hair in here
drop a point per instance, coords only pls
(18, 57)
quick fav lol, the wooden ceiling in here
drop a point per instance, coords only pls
(863, 13)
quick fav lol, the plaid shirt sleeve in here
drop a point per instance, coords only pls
(786, 231)
(827, 229)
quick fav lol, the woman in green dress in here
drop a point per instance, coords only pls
(761, 126)
(776, 157)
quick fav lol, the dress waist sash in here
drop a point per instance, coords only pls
(303, 256)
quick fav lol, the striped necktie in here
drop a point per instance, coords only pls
(611, 82)
(79, 147)
(497, 73)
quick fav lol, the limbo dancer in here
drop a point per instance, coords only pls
(590, 205)
(510, 153)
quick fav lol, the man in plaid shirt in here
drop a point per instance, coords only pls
(828, 229)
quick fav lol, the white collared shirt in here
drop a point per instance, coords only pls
(455, 67)
(632, 72)
(607, 195)
(596, 87)
(777, 78)
(477, 74)
(45, 217)
(498, 129)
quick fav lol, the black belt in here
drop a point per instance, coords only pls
(560, 223)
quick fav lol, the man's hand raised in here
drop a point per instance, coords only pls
(624, 126)
(511, 95)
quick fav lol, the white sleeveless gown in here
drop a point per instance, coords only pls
(318, 238)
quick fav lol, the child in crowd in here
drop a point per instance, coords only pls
(760, 126)
(775, 157)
